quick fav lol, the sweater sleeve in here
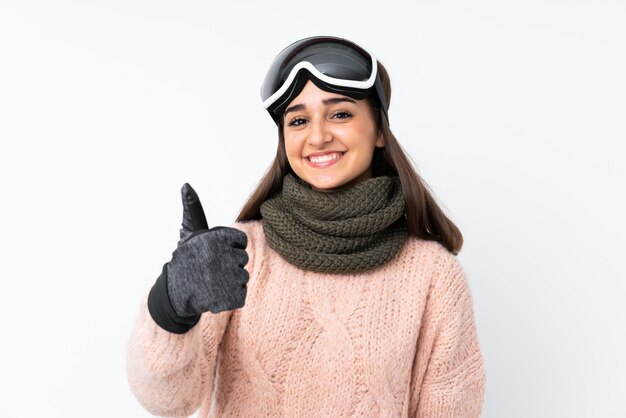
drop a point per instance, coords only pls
(448, 378)
(170, 374)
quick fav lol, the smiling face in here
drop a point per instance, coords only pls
(330, 138)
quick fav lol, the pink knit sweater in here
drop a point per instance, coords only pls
(396, 341)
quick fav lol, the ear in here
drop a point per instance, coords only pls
(380, 140)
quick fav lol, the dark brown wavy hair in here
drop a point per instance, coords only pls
(425, 218)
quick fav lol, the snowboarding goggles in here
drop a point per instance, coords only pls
(332, 64)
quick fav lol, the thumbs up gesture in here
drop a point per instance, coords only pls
(206, 272)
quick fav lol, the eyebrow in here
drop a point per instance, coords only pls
(332, 100)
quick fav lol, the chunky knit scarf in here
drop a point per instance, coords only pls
(341, 231)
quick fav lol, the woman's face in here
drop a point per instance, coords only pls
(338, 130)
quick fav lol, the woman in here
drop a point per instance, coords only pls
(336, 292)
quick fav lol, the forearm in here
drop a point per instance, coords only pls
(168, 372)
(462, 396)
(449, 374)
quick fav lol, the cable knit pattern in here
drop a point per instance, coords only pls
(396, 341)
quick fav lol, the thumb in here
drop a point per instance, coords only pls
(193, 214)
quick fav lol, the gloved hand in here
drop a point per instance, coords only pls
(206, 272)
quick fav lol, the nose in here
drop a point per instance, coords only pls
(319, 133)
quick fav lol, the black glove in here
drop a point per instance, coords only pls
(206, 272)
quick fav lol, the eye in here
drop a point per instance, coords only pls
(296, 121)
(342, 114)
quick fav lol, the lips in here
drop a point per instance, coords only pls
(321, 154)
(326, 163)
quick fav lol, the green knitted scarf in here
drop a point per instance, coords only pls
(342, 231)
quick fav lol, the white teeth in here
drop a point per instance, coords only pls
(325, 158)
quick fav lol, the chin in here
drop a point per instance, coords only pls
(328, 186)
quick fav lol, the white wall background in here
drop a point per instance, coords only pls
(512, 111)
